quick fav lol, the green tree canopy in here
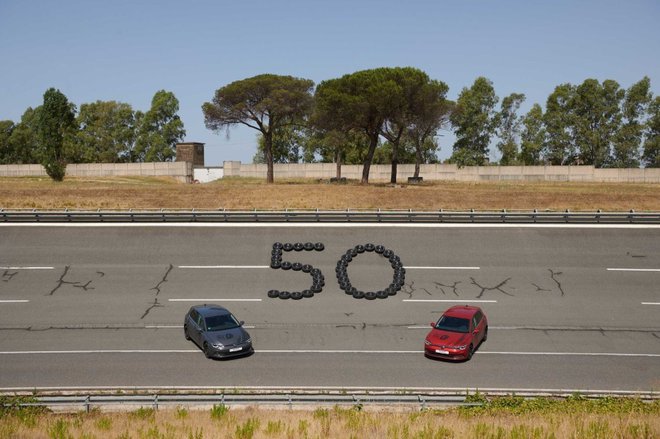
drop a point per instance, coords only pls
(24, 139)
(508, 126)
(651, 156)
(6, 150)
(628, 140)
(532, 137)
(159, 130)
(558, 119)
(473, 122)
(106, 133)
(265, 103)
(56, 120)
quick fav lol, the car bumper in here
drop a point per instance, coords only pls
(446, 354)
(231, 351)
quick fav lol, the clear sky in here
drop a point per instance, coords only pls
(126, 50)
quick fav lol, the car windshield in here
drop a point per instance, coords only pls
(221, 322)
(454, 324)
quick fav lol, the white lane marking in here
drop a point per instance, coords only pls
(641, 270)
(448, 301)
(650, 303)
(27, 268)
(181, 327)
(308, 225)
(214, 300)
(223, 266)
(14, 301)
(322, 351)
(442, 268)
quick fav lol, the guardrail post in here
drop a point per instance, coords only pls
(87, 404)
(156, 401)
(290, 401)
(422, 402)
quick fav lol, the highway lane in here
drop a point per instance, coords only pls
(105, 305)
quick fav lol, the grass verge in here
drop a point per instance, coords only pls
(244, 193)
(503, 417)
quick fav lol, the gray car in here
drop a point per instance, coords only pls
(214, 329)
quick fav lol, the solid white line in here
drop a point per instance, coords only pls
(650, 303)
(344, 225)
(449, 301)
(442, 268)
(181, 327)
(321, 351)
(215, 300)
(14, 301)
(635, 269)
(223, 266)
(27, 268)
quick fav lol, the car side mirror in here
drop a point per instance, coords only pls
(432, 324)
(241, 323)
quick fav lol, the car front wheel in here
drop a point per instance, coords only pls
(207, 350)
(185, 332)
(485, 335)
(470, 352)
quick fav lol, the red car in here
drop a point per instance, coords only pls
(457, 334)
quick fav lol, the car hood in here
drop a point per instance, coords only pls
(448, 338)
(228, 337)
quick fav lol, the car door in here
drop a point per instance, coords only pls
(478, 325)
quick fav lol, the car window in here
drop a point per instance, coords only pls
(477, 318)
(200, 321)
(221, 322)
(454, 324)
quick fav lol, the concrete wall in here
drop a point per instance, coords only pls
(182, 171)
(204, 175)
(450, 172)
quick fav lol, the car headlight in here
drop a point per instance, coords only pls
(427, 343)
(249, 340)
(218, 345)
(460, 348)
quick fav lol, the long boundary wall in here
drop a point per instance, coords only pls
(182, 171)
(450, 172)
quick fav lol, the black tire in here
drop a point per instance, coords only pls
(273, 294)
(296, 295)
(287, 247)
(275, 265)
(308, 293)
(369, 247)
(298, 246)
(387, 253)
(485, 335)
(306, 268)
(207, 351)
(286, 265)
(296, 266)
(277, 246)
(379, 249)
(370, 295)
(316, 288)
(308, 246)
(359, 248)
(382, 294)
(285, 295)
(470, 352)
(319, 246)
(185, 332)
(358, 294)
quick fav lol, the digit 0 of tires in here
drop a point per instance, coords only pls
(318, 280)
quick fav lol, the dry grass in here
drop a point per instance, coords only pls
(254, 423)
(241, 193)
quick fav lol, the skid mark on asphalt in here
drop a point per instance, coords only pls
(157, 289)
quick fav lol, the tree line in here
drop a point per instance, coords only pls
(394, 115)
(56, 133)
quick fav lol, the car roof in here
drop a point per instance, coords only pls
(464, 311)
(210, 309)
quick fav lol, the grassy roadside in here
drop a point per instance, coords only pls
(503, 417)
(242, 193)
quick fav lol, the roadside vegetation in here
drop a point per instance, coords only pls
(502, 417)
(243, 193)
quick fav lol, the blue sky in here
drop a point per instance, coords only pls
(127, 50)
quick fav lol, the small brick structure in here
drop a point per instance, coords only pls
(192, 152)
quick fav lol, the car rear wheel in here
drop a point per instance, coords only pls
(485, 335)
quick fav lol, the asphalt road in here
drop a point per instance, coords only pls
(571, 308)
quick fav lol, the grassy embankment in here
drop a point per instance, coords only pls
(241, 193)
(505, 417)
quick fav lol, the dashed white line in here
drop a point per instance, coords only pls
(442, 268)
(641, 270)
(217, 299)
(650, 303)
(223, 266)
(27, 268)
(181, 327)
(448, 301)
(14, 301)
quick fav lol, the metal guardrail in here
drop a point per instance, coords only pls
(327, 216)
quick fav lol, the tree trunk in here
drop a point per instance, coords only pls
(395, 162)
(373, 142)
(268, 146)
(418, 160)
(338, 162)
